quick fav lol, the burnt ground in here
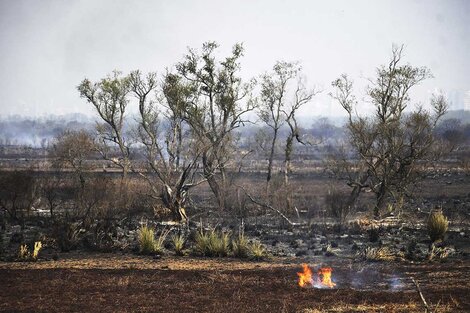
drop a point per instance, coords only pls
(127, 283)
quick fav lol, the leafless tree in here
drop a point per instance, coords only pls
(71, 149)
(390, 144)
(18, 192)
(273, 102)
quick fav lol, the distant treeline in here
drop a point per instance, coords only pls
(39, 132)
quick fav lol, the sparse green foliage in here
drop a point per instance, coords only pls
(217, 109)
(437, 226)
(389, 143)
(110, 100)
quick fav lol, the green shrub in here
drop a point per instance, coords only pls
(178, 241)
(146, 239)
(257, 251)
(240, 246)
(437, 226)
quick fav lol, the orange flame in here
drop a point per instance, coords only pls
(305, 277)
(324, 277)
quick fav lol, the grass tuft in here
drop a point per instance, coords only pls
(146, 239)
(437, 226)
(178, 241)
(257, 251)
(240, 246)
(212, 243)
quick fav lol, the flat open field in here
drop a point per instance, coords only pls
(128, 283)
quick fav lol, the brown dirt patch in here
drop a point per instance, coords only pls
(126, 283)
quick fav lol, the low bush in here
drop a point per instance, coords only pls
(437, 226)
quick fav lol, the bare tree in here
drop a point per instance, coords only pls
(301, 96)
(18, 193)
(109, 98)
(71, 149)
(274, 88)
(389, 144)
(220, 100)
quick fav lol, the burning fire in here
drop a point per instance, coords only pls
(306, 277)
(324, 277)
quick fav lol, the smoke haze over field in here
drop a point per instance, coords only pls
(48, 47)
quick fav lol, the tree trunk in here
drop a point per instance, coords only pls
(175, 201)
(288, 152)
(357, 190)
(270, 163)
(219, 193)
(381, 197)
(287, 164)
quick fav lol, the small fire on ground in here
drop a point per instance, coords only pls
(321, 280)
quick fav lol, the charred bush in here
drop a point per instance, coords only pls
(337, 204)
(18, 192)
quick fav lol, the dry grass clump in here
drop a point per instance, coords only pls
(25, 255)
(377, 254)
(440, 253)
(437, 226)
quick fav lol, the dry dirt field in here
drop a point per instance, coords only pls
(127, 283)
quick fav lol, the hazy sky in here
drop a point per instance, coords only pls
(48, 47)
